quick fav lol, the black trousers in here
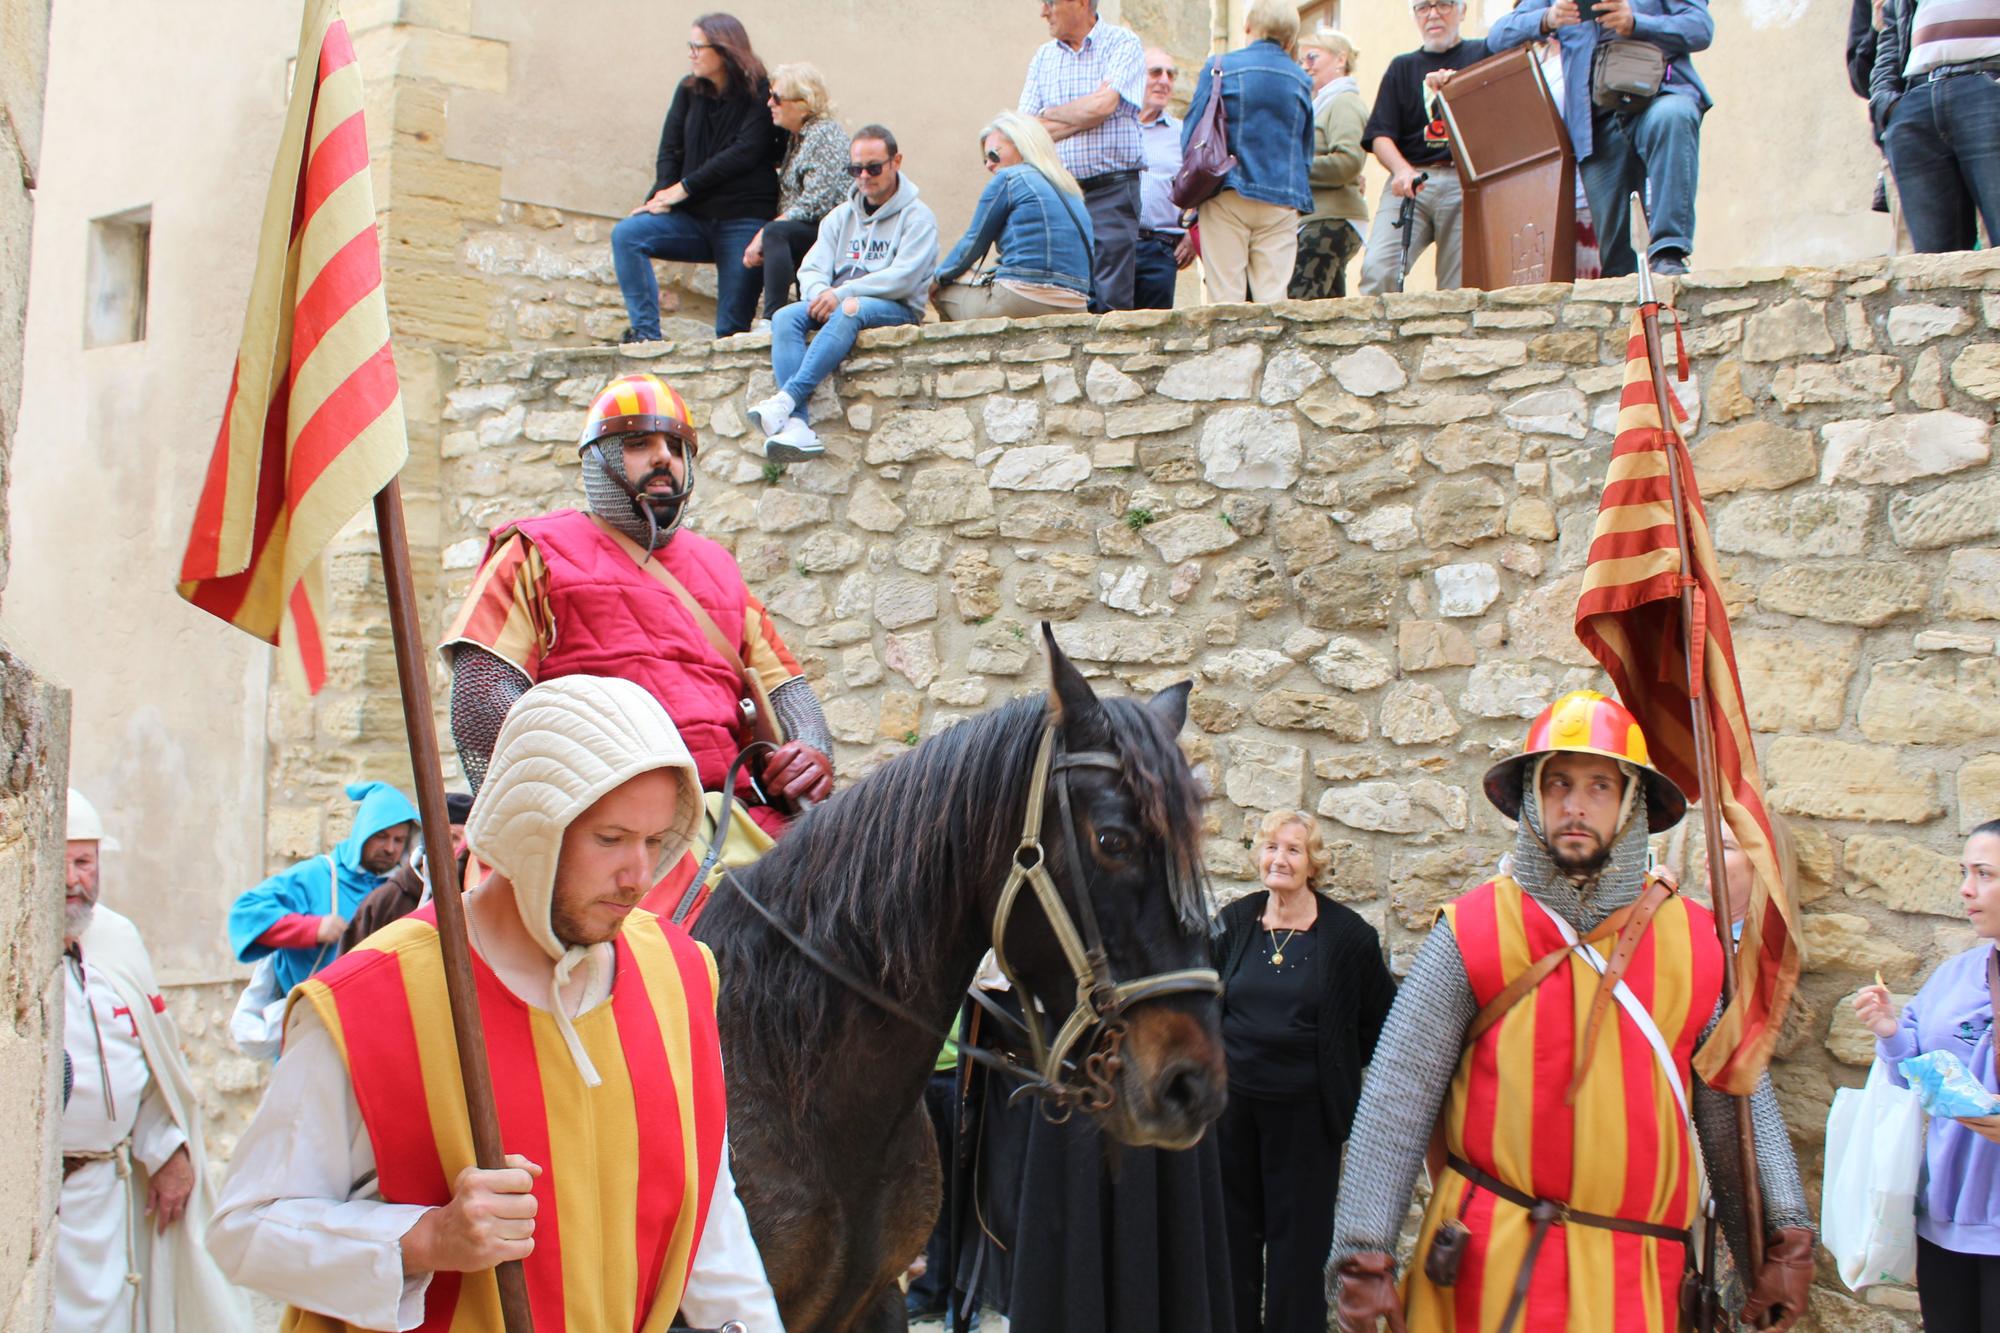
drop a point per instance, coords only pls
(1957, 1291)
(1280, 1174)
(785, 246)
(1153, 281)
(1113, 201)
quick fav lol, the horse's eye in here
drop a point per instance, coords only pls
(1112, 842)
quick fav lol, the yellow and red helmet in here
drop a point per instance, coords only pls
(1586, 722)
(638, 405)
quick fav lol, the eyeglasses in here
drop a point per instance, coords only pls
(777, 100)
(700, 46)
(993, 157)
(1156, 71)
(866, 168)
(1433, 6)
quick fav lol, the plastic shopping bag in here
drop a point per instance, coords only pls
(1874, 1157)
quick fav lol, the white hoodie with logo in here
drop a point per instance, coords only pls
(890, 254)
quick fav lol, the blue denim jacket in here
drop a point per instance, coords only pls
(1677, 27)
(1044, 234)
(1269, 103)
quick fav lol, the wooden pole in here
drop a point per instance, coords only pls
(413, 675)
(1707, 771)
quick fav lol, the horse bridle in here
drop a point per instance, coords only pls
(1101, 999)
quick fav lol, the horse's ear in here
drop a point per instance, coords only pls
(1170, 706)
(1070, 695)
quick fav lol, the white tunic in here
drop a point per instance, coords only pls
(114, 1099)
(301, 1216)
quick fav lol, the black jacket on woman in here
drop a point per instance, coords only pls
(724, 150)
(1356, 991)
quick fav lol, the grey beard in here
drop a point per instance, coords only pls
(1582, 903)
(76, 919)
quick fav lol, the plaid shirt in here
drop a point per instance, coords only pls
(1057, 75)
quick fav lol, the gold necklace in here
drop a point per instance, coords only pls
(1278, 951)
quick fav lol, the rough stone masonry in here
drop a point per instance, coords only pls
(1359, 527)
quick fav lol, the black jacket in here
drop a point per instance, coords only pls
(1356, 992)
(1892, 46)
(1861, 46)
(724, 151)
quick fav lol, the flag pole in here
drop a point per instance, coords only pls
(1707, 771)
(413, 677)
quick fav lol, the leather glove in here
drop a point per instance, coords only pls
(796, 771)
(1780, 1291)
(1368, 1293)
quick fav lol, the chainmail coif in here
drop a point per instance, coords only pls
(1424, 1038)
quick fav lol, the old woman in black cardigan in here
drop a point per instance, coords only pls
(1304, 995)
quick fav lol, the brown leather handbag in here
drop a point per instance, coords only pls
(1207, 158)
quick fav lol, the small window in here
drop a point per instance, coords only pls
(114, 308)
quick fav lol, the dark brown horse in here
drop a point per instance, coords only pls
(896, 881)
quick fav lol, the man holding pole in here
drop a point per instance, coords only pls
(1548, 1030)
(354, 1195)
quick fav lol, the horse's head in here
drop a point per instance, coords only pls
(1125, 858)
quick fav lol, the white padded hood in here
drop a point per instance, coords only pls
(565, 744)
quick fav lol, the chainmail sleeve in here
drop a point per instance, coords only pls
(1415, 1059)
(799, 714)
(484, 685)
(1777, 1166)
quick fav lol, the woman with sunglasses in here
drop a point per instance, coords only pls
(812, 180)
(714, 186)
(1034, 210)
(1331, 234)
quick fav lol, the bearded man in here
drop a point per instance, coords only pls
(624, 590)
(354, 1197)
(135, 1195)
(1547, 1031)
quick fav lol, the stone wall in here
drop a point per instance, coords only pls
(34, 756)
(1359, 527)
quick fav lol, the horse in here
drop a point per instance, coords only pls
(896, 883)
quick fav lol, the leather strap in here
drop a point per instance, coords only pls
(1629, 936)
(1539, 971)
(763, 723)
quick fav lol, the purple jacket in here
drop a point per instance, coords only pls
(1958, 1205)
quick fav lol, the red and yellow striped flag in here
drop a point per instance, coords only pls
(1629, 615)
(313, 426)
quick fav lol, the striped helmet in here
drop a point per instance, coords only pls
(638, 405)
(1586, 722)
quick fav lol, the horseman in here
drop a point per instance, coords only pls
(353, 1195)
(1546, 1031)
(624, 590)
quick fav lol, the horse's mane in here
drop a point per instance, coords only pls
(875, 878)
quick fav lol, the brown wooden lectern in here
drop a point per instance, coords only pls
(1518, 170)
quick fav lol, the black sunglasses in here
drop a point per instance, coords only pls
(866, 168)
(992, 157)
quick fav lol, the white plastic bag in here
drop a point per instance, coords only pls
(1874, 1159)
(258, 1024)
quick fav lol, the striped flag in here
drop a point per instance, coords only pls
(313, 426)
(1629, 615)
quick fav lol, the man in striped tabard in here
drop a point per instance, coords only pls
(353, 1196)
(1569, 1184)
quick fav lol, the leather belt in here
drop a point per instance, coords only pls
(1990, 65)
(1157, 234)
(1089, 183)
(1546, 1213)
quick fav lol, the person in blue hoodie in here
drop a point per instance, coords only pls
(298, 914)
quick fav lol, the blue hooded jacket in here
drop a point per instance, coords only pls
(303, 889)
(1044, 235)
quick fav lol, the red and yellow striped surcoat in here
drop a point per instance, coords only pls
(627, 1167)
(1621, 1151)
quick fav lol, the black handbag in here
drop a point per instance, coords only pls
(1207, 158)
(1625, 75)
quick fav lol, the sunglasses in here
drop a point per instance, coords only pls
(866, 168)
(993, 157)
(1157, 70)
(701, 46)
(775, 100)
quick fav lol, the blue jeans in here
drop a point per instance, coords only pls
(800, 368)
(1944, 148)
(1153, 283)
(643, 237)
(1657, 153)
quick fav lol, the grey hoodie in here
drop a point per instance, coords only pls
(889, 254)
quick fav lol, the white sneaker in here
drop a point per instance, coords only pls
(771, 414)
(794, 442)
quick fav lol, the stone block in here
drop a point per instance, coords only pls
(1010, 420)
(1910, 325)
(828, 551)
(1953, 514)
(1978, 789)
(1461, 511)
(1927, 380)
(1456, 448)
(1250, 448)
(1384, 528)
(1465, 590)
(1531, 517)
(1368, 371)
(1903, 875)
(1542, 623)
(1423, 806)
(1349, 664)
(1976, 370)
(1288, 374)
(1726, 399)
(1352, 593)
(851, 718)
(1124, 643)
(1861, 379)
(975, 585)
(1299, 710)
(1458, 358)
(1001, 648)
(871, 509)
(1264, 776)
(971, 382)
(913, 656)
(1784, 527)
(1549, 412)
(1505, 689)
(1147, 419)
(1427, 645)
(1415, 713)
(782, 510)
(1105, 384)
(1040, 467)
(1757, 455)
(1327, 407)
(1902, 448)
(945, 495)
(1184, 536)
(1793, 682)
(1932, 701)
(1439, 409)
(915, 433)
(901, 602)
(1050, 592)
(1846, 592)
(1423, 882)
(1844, 942)
(1827, 779)
(1786, 331)
(1227, 373)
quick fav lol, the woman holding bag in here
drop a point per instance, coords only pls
(1958, 1208)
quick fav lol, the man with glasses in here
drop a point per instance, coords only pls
(1164, 245)
(871, 267)
(1085, 86)
(1406, 132)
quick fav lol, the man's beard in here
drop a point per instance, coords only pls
(574, 930)
(1437, 46)
(76, 918)
(1578, 865)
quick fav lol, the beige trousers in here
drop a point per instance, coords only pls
(1247, 249)
(964, 300)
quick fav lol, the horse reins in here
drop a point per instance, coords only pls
(1101, 1000)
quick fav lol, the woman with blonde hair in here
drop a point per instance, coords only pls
(1331, 235)
(1033, 209)
(812, 178)
(1250, 227)
(1304, 995)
